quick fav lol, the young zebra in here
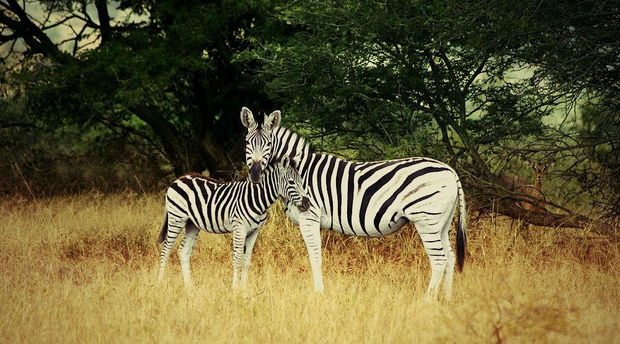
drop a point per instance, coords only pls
(366, 199)
(197, 202)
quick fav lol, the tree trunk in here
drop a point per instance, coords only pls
(494, 197)
(510, 208)
(104, 20)
(183, 155)
(547, 219)
(170, 138)
(219, 164)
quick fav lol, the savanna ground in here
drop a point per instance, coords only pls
(81, 269)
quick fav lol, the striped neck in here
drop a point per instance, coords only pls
(267, 191)
(288, 142)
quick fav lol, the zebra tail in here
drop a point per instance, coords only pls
(461, 233)
(164, 230)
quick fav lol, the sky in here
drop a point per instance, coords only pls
(68, 29)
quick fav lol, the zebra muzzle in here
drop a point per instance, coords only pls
(254, 173)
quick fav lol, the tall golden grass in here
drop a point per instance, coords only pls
(82, 269)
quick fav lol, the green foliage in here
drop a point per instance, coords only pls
(481, 85)
(48, 160)
(380, 70)
(576, 48)
(468, 82)
(171, 80)
(600, 139)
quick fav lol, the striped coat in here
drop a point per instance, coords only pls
(195, 202)
(367, 198)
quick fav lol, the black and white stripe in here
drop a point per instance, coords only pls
(195, 202)
(375, 199)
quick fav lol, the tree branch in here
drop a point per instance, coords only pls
(104, 20)
(474, 75)
(17, 125)
(36, 39)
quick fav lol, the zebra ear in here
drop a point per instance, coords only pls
(247, 118)
(273, 120)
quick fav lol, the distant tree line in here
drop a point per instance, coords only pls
(482, 85)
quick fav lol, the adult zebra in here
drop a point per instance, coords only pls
(198, 202)
(366, 199)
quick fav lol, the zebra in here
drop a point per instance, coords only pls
(369, 199)
(197, 202)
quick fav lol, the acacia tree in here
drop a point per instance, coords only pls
(161, 72)
(454, 80)
(374, 68)
(577, 50)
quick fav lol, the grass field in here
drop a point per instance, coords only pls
(82, 269)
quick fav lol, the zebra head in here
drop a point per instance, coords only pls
(258, 141)
(293, 188)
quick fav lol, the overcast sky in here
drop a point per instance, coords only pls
(66, 30)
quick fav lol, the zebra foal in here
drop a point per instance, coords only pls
(368, 199)
(197, 202)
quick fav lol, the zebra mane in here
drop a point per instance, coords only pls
(291, 143)
(194, 175)
(202, 176)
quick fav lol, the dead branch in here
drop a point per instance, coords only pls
(506, 202)
(548, 219)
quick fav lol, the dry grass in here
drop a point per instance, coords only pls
(82, 269)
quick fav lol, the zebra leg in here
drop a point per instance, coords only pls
(239, 235)
(311, 232)
(451, 258)
(247, 255)
(175, 226)
(430, 232)
(185, 252)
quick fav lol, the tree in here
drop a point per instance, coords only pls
(163, 72)
(459, 81)
(359, 67)
(578, 51)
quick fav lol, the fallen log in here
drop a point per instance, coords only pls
(508, 207)
(495, 197)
